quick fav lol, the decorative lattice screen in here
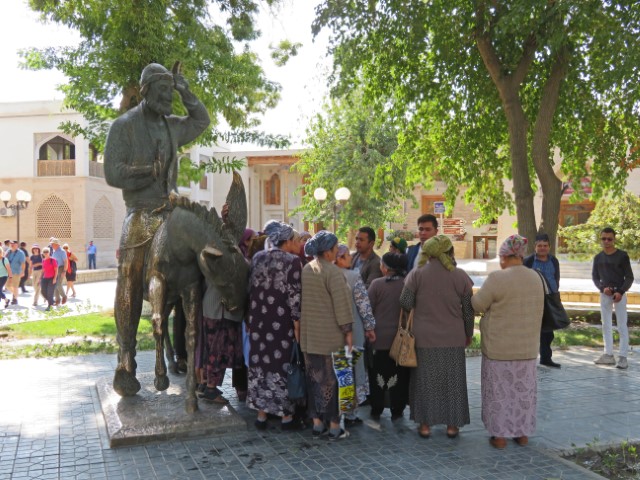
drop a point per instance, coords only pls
(54, 218)
(103, 219)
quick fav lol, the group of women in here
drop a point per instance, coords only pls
(303, 294)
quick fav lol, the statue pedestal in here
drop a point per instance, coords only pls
(151, 415)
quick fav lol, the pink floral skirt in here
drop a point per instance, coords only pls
(509, 397)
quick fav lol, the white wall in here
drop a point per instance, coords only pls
(19, 122)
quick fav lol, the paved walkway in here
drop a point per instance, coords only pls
(51, 427)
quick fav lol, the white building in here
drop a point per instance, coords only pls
(65, 177)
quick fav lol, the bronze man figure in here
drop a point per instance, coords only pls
(140, 157)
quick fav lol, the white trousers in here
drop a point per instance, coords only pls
(606, 311)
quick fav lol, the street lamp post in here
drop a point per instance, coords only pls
(22, 201)
(341, 196)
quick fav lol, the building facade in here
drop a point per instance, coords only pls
(70, 199)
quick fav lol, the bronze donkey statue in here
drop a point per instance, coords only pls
(194, 241)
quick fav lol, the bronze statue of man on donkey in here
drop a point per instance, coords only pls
(167, 243)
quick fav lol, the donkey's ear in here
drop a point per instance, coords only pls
(237, 201)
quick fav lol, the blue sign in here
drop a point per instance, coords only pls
(438, 207)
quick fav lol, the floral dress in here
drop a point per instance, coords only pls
(363, 320)
(274, 304)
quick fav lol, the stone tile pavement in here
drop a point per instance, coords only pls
(51, 427)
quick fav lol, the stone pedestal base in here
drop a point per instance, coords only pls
(151, 415)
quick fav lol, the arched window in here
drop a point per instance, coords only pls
(57, 148)
(53, 218)
(272, 190)
(103, 219)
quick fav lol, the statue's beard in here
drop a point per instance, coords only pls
(161, 107)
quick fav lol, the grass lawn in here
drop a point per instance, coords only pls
(92, 324)
(63, 336)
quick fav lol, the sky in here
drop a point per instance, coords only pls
(303, 79)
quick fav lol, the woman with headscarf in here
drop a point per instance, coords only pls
(247, 237)
(325, 327)
(364, 324)
(440, 295)
(512, 300)
(398, 245)
(273, 323)
(386, 375)
(239, 379)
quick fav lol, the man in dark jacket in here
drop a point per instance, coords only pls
(365, 259)
(427, 228)
(549, 267)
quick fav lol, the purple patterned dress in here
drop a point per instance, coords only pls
(274, 304)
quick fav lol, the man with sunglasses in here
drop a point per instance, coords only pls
(427, 228)
(612, 275)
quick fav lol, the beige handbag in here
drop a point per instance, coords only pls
(403, 348)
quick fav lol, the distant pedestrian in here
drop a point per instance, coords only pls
(72, 268)
(612, 275)
(5, 273)
(92, 250)
(549, 267)
(18, 262)
(36, 273)
(27, 267)
(61, 259)
(49, 276)
(512, 300)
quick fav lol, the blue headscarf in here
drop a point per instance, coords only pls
(278, 232)
(342, 250)
(322, 241)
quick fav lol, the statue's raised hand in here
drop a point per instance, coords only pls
(181, 84)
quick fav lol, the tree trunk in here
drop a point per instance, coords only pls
(522, 190)
(541, 153)
(130, 98)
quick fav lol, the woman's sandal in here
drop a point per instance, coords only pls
(213, 395)
(424, 432)
(452, 432)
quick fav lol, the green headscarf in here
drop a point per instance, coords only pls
(437, 247)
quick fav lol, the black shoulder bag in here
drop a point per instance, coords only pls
(555, 316)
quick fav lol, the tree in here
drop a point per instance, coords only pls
(120, 37)
(620, 212)
(484, 91)
(351, 147)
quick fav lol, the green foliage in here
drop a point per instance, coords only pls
(549, 74)
(192, 172)
(284, 51)
(406, 234)
(351, 146)
(620, 212)
(120, 37)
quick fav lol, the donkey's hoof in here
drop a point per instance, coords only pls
(125, 383)
(161, 383)
(191, 405)
(182, 365)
